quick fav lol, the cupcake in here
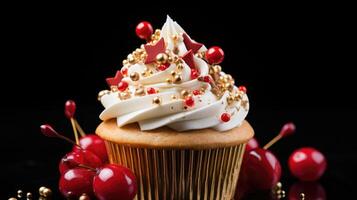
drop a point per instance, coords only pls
(176, 119)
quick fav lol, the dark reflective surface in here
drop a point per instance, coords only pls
(293, 60)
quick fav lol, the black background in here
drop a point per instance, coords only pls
(296, 61)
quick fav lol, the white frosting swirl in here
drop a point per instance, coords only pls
(207, 109)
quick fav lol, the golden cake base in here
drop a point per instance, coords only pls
(200, 164)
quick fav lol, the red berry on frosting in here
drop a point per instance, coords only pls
(122, 86)
(196, 92)
(189, 102)
(162, 67)
(225, 117)
(151, 90)
(242, 88)
(144, 30)
(214, 55)
(207, 79)
(124, 71)
(194, 73)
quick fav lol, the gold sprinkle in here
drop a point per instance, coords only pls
(100, 95)
(228, 86)
(134, 76)
(173, 73)
(161, 58)
(177, 79)
(179, 66)
(157, 32)
(125, 62)
(184, 93)
(140, 91)
(156, 100)
(176, 50)
(124, 95)
(230, 99)
(168, 80)
(173, 97)
(113, 88)
(131, 59)
(217, 69)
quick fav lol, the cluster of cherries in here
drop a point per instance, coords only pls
(261, 170)
(84, 171)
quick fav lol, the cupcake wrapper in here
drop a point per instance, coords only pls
(181, 173)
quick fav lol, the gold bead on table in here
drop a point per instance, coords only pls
(156, 100)
(184, 93)
(100, 95)
(47, 192)
(84, 197)
(20, 193)
(29, 195)
(41, 189)
(302, 196)
(161, 58)
(12, 198)
(134, 76)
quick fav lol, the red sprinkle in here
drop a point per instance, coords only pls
(242, 88)
(207, 79)
(196, 92)
(162, 67)
(189, 101)
(151, 90)
(122, 86)
(194, 74)
(124, 71)
(225, 117)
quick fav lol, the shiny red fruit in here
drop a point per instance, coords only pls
(225, 117)
(262, 168)
(114, 182)
(307, 164)
(214, 55)
(74, 182)
(189, 102)
(194, 74)
(251, 144)
(122, 86)
(144, 30)
(312, 190)
(74, 158)
(94, 144)
(70, 109)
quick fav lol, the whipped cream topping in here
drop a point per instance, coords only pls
(165, 92)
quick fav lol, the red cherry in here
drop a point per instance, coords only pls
(207, 79)
(307, 164)
(94, 144)
(189, 102)
(74, 182)
(251, 144)
(74, 158)
(225, 117)
(312, 190)
(144, 30)
(151, 90)
(70, 109)
(124, 71)
(242, 88)
(122, 86)
(162, 67)
(194, 73)
(114, 182)
(287, 129)
(214, 55)
(196, 92)
(262, 169)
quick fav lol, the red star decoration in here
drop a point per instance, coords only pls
(114, 81)
(188, 58)
(190, 44)
(153, 50)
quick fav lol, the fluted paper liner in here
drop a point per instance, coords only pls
(181, 173)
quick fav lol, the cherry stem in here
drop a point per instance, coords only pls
(273, 141)
(87, 167)
(54, 133)
(74, 130)
(79, 128)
